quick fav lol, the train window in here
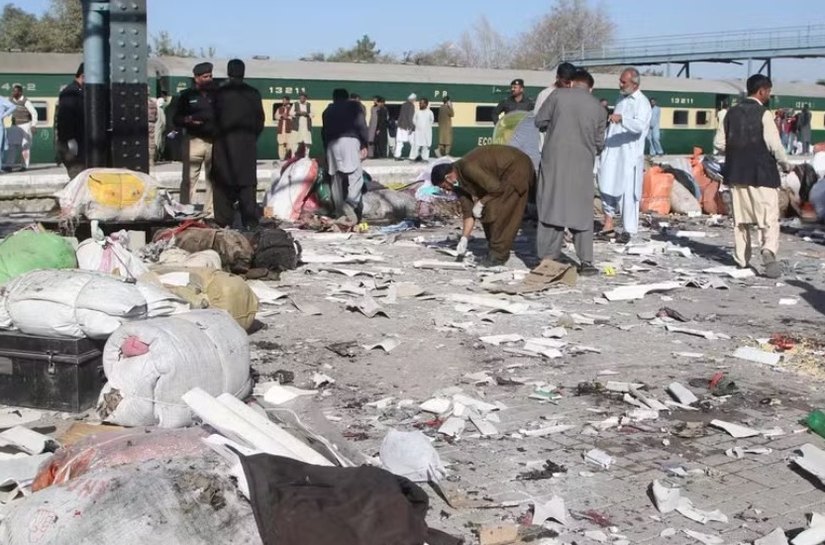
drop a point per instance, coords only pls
(42, 111)
(701, 117)
(680, 117)
(435, 114)
(484, 114)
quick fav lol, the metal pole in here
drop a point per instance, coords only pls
(96, 87)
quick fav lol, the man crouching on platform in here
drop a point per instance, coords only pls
(492, 183)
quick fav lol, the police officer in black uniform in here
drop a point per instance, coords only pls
(195, 114)
(517, 101)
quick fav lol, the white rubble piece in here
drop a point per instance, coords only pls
(812, 460)
(641, 415)
(665, 499)
(411, 455)
(596, 535)
(549, 430)
(622, 387)
(707, 539)
(648, 402)
(690, 234)
(387, 345)
(320, 380)
(735, 430)
(638, 291)
(815, 534)
(671, 499)
(21, 470)
(437, 405)
(554, 332)
(552, 510)
(11, 417)
(243, 424)
(452, 427)
(788, 301)
(549, 348)
(494, 303)
(434, 264)
(497, 340)
(485, 428)
(740, 452)
(26, 440)
(589, 319)
(731, 271)
(476, 404)
(278, 394)
(329, 259)
(381, 404)
(749, 353)
(265, 294)
(599, 458)
(682, 394)
(709, 335)
(368, 307)
(305, 308)
(777, 537)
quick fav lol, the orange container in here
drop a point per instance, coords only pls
(656, 191)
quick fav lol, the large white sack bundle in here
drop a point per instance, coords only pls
(151, 364)
(682, 201)
(819, 164)
(207, 259)
(111, 194)
(77, 304)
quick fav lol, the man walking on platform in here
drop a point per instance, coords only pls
(654, 137)
(750, 140)
(282, 115)
(405, 132)
(70, 123)
(23, 125)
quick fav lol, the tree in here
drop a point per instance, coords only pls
(18, 29)
(59, 30)
(570, 26)
(163, 46)
(483, 47)
(363, 51)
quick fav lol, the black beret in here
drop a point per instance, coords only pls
(517, 81)
(202, 68)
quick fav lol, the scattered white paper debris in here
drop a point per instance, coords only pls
(704, 538)
(387, 345)
(731, 271)
(480, 406)
(815, 534)
(10, 417)
(735, 430)
(438, 405)
(452, 427)
(749, 353)
(638, 291)
(554, 332)
(485, 428)
(812, 460)
(666, 499)
(709, 335)
(599, 458)
(622, 387)
(640, 415)
(552, 510)
(411, 455)
(739, 452)
(497, 340)
(21, 470)
(682, 394)
(549, 430)
(596, 535)
(381, 404)
(264, 293)
(789, 302)
(278, 394)
(777, 537)
(433, 264)
(320, 380)
(26, 440)
(668, 532)
(691, 355)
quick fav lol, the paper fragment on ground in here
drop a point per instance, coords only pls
(311, 258)
(682, 394)
(433, 264)
(554, 332)
(278, 394)
(638, 291)
(387, 345)
(731, 271)
(739, 452)
(305, 308)
(709, 335)
(622, 387)
(735, 430)
(264, 293)
(368, 307)
(27, 440)
(452, 427)
(665, 499)
(707, 539)
(814, 535)
(438, 405)
(749, 353)
(777, 537)
(484, 427)
(490, 302)
(812, 460)
(599, 458)
(21, 470)
(10, 417)
(497, 340)
(549, 430)
(552, 510)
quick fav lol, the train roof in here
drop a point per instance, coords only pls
(66, 63)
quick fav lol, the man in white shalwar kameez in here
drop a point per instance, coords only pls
(423, 136)
(622, 163)
(21, 132)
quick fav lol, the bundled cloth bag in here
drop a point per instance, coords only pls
(274, 249)
(178, 257)
(232, 246)
(151, 364)
(656, 190)
(110, 255)
(76, 304)
(682, 201)
(29, 250)
(208, 288)
(111, 194)
(286, 196)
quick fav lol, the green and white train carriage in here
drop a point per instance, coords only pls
(688, 106)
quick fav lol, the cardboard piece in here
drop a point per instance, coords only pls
(387, 345)
(749, 353)
(735, 430)
(368, 307)
(812, 460)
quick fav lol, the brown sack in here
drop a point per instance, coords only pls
(233, 247)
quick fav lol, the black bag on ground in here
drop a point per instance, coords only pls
(274, 249)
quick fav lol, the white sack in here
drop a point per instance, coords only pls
(111, 194)
(204, 348)
(682, 201)
(110, 256)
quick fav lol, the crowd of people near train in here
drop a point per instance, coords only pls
(579, 140)
(794, 129)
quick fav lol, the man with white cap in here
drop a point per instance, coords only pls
(406, 128)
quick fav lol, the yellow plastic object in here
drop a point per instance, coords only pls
(116, 189)
(506, 126)
(362, 227)
(609, 270)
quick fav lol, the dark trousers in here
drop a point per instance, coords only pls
(225, 198)
(550, 240)
(74, 164)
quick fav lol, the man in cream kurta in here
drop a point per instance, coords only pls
(622, 163)
(423, 135)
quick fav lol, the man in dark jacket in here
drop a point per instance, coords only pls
(752, 146)
(71, 126)
(345, 137)
(381, 128)
(405, 132)
(195, 113)
(492, 183)
(239, 120)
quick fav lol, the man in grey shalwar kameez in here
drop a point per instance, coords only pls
(574, 123)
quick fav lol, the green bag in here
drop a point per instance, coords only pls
(27, 251)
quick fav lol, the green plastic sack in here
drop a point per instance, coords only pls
(28, 251)
(506, 126)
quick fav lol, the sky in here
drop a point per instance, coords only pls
(244, 28)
